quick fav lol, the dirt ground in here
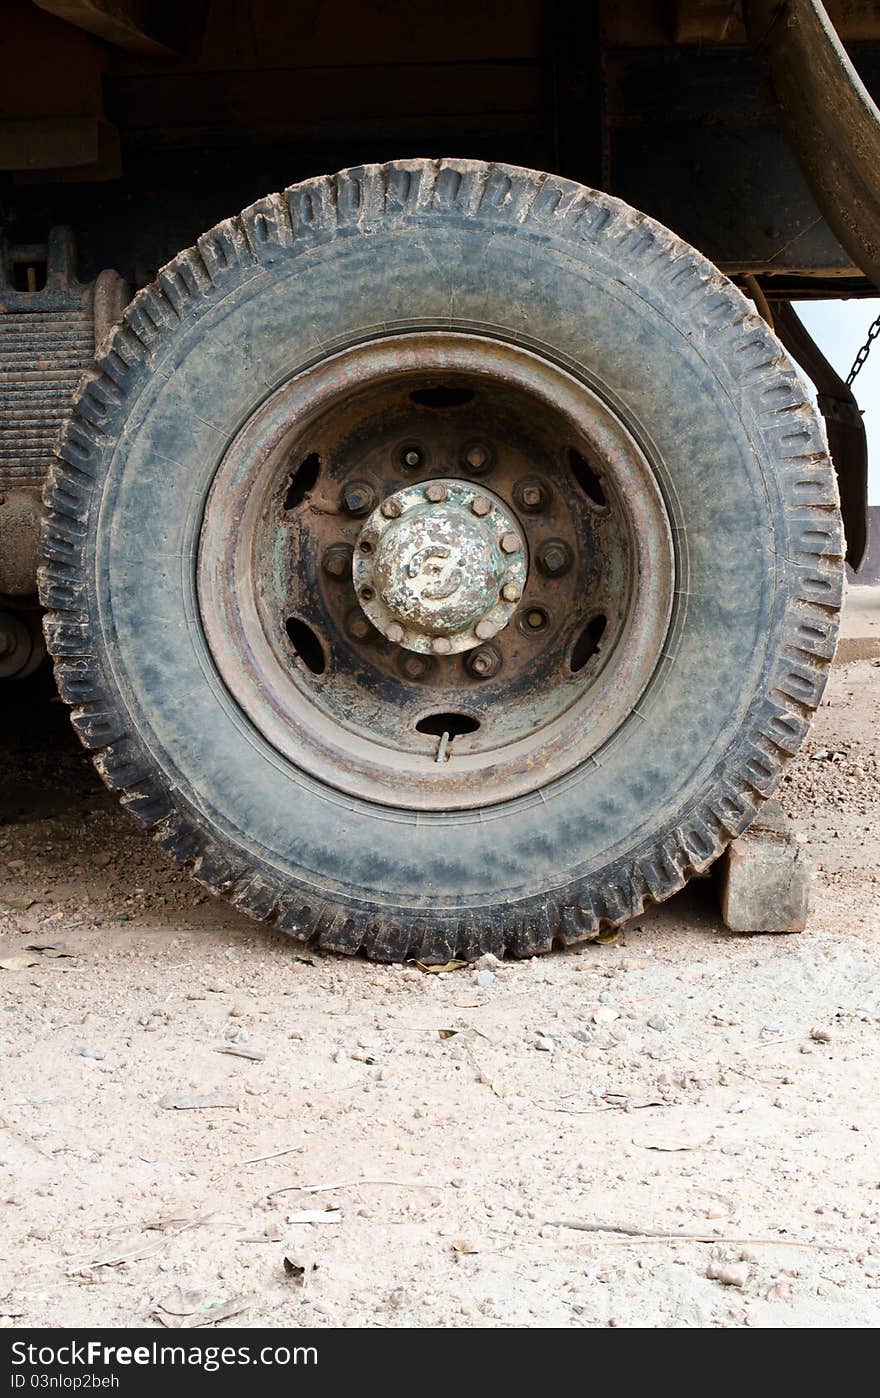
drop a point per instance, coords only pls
(688, 1081)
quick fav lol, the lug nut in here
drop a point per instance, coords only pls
(484, 662)
(531, 495)
(441, 645)
(510, 592)
(414, 666)
(510, 542)
(485, 630)
(358, 626)
(359, 498)
(536, 619)
(435, 492)
(412, 458)
(478, 457)
(395, 632)
(336, 561)
(554, 558)
(391, 508)
(481, 506)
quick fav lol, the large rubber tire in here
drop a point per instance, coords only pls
(685, 361)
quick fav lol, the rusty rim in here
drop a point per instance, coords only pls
(436, 571)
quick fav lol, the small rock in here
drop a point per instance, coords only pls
(340, 1056)
(606, 999)
(544, 1044)
(583, 1036)
(660, 1023)
(822, 1036)
(487, 962)
(484, 979)
(101, 859)
(779, 1291)
(728, 1273)
(85, 1052)
(605, 1015)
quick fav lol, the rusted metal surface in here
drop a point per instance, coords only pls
(831, 120)
(49, 324)
(847, 440)
(523, 647)
(439, 567)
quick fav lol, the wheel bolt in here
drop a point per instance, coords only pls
(481, 506)
(413, 666)
(484, 662)
(336, 562)
(510, 592)
(531, 495)
(536, 620)
(358, 627)
(510, 542)
(435, 492)
(412, 458)
(395, 632)
(391, 509)
(359, 498)
(441, 645)
(554, 558)
(485, 630)
(477, 457)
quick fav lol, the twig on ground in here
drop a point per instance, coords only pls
(353, 1184)
(658, 1236)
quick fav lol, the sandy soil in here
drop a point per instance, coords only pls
(693, 1081)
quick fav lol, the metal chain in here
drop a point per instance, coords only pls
(864, 351)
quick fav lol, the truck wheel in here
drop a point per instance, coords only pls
(443, 558)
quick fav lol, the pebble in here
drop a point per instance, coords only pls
(85, 1052)
(821, 1036)
(584, 1036)
(728, 1273)
(544, 1044)
(487, 962)
(484, 979)
(660, 1023)
(605, 1015)
(606, 999)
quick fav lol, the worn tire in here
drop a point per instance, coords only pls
(545, 263)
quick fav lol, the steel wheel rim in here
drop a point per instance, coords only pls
(251, 587)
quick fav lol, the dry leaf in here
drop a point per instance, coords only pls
(20, 962)
(298, 1271)
(466, 1245)
(209, 1315)
(241, 1051)
(19, 905)
(436, 970)
(50, 948)
(605, 939)
(448, 1033)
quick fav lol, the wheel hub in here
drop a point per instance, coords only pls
(440, 566)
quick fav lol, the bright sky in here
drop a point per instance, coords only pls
(839, 329)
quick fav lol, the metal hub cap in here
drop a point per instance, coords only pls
(440, 566)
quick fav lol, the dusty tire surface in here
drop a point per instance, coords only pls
(657, 332)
